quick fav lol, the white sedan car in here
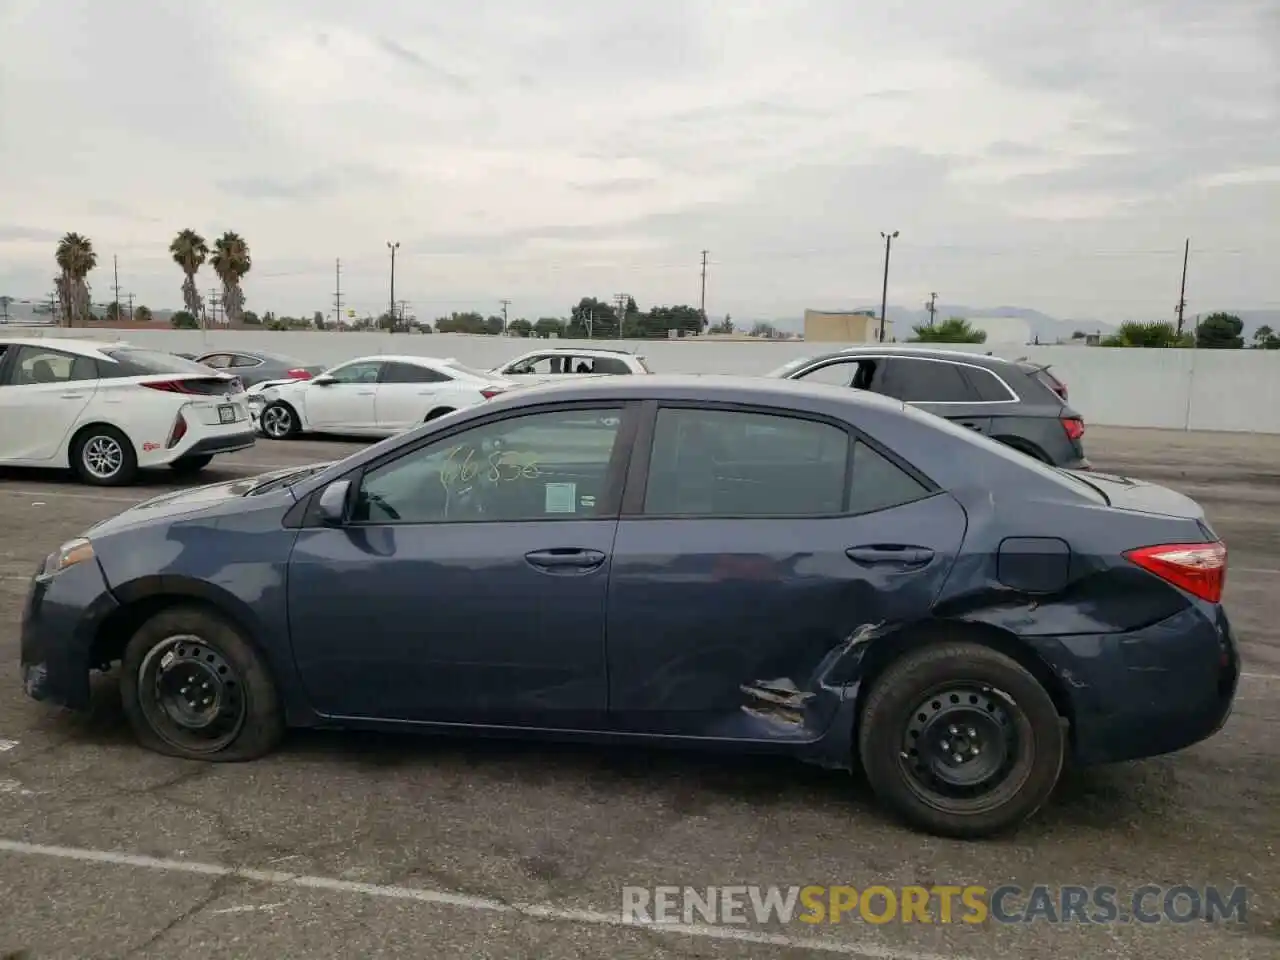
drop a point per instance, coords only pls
(107, 410)
(556, 363)
(371, 396)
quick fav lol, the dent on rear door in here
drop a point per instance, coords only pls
(754, 629)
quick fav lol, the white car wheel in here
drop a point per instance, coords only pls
(279, 421)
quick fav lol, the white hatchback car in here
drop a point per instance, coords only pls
(556, 363)
(371, 396)
(107, 410)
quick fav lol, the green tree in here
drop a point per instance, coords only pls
(190, 251)
(114, 313)
(75, 258)
(142, 314)
(1220, 331)
(1153, 335)
(593, 318)
(520, 328)
(317, 320)
(183, 320)
(951, 330)
(724, 326)
(1264, 338)
(548, 327)
(492, 325)
(465, 322)
(659, 320)
(251, 319)
(231, 261)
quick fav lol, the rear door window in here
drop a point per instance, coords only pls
(988, 386)
(396, 372)
(914, 380)
(132, 362)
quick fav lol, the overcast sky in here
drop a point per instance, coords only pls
(1050, 154)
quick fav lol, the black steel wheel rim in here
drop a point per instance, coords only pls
(192, 695)
(961, 744)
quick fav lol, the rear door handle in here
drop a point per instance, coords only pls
(565, 558)
(365, 393)
(895, 555)
(73, 396)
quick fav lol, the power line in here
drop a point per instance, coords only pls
(337, 291)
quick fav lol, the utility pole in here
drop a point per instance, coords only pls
(115, 269)
(130, 296)
(214, 302)
(931, 307)
(1182, 294)
(337, 291)
(505, 304)
(702, 304)
(393, 247)
(591, 321)
(621, 312)
(400, 315)
(884, 293)
(53, 306)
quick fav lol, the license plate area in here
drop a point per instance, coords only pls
(227, 413)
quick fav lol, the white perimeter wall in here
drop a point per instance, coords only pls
(1237, 390)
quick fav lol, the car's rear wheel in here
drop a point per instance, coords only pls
(279, 421)
(437, 413)
(103, 456)
(190, 466)
(961, 741)
(193, 687)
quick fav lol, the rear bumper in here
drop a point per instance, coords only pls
(1148, 692)
(60, 620)
(224, 444)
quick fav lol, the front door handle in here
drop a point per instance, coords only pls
(73, 396)
(895, 555)
(365, 393)
(565, 558)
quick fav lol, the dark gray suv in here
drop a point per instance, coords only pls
(1013, 401)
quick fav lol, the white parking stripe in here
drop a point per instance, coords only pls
(537, 911)
(74, 494)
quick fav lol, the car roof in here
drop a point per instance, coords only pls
(697, 386)
(584, 351)
(83, 346)
(261, 354)
(911, 350)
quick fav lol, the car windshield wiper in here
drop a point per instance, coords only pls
(275, 483)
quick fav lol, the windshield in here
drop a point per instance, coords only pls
(789, 367)
(142, 363)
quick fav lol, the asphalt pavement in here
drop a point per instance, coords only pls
(346, 845)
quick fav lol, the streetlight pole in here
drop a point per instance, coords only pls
(391, 312)
(884, 293)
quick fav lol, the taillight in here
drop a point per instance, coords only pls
(1074, 427)
(177, 433)
(490, 392)
(1198, 568)
(298, 374)
(168, 386)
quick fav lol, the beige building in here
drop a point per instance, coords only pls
(835, 326)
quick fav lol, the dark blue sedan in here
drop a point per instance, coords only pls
(744, 564)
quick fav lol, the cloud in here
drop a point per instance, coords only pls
(1044, 154)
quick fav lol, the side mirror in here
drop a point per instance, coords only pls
(323, 380)
(332, 506)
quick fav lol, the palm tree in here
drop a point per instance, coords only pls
(231, 262)
(75, 258)
(190, 252)
(952, 330)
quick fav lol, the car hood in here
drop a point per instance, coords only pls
(192, 500)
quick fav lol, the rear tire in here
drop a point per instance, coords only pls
(190, 466)
(103, 456)
(279, 421)
(960, 741)
(193, 687)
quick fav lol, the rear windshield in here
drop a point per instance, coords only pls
(469, 371)
(132, 362)
(789, 367)
(1044, 378)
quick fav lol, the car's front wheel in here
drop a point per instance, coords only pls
(194, 687)
(279, 421)
(961, 741)
(103, 456)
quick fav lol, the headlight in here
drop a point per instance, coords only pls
(68, 555)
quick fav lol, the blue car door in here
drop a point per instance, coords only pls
(752, 546)
(468, 582)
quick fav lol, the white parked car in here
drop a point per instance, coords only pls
(107, 410)
(371, 396)
(555, 363)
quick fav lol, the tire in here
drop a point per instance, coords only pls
(279, 421)
(190, 466)
(103, 456)
(188, 648)
(969, 688)
(437, 413)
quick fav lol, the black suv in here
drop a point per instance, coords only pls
(1016, 402)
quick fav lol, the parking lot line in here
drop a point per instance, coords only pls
(534, 911)
(73, 495)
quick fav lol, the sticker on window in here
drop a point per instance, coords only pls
(561, 498)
